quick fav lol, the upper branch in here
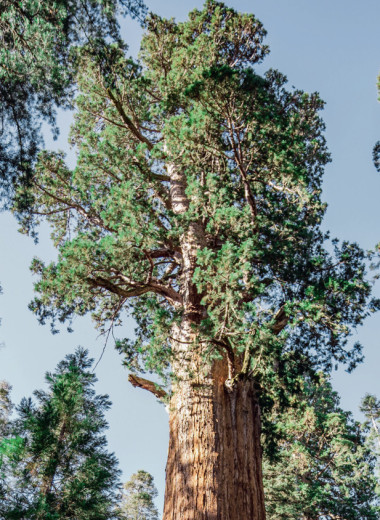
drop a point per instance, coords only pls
(138, 288)
(127, 121)
(281, 319)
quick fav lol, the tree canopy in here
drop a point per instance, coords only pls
(250, 155)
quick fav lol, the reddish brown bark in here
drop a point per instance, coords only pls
(214, 461)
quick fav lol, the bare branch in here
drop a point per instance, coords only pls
(140, 382)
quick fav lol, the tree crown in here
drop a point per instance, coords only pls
(189, 138)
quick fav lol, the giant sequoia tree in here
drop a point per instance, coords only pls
(195, 206)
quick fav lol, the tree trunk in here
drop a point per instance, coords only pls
(214, 469)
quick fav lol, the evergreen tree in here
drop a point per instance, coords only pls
(195, 206)
(63, 469)
(324, 468)
(138, 498)
(376, 148)
(10, 448)
(370, 406)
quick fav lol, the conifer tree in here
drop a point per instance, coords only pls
(324, 467)
(138, 498)
(195, 205)
(10, 447)
(370, 406)
(376, 148)
(62, 469)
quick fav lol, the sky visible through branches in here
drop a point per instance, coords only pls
(329, 47)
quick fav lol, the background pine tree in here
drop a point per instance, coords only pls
(138, 498)
(5, 406)
(62, 469)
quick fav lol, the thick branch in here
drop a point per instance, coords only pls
(281, 320)
(230, 357)
(159, 176)
(137, 289)
(161, 253)
(140, 382)
(167, 292)
(106, 284)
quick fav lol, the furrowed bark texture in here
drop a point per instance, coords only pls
(214, 461)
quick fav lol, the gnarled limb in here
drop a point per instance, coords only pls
(140, 382)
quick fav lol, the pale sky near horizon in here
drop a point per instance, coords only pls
(330, 46)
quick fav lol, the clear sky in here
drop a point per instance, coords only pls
(329, 46)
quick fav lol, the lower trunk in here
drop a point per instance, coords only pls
(214, 461)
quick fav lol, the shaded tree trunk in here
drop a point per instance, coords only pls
(214, 469)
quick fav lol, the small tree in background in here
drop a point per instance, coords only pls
(324, 468)
(370, 406)
(138, 498)
(376, 148)
(63, 470)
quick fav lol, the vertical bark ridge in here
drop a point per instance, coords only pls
(214, 462)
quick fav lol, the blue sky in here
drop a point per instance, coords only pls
(332, 47)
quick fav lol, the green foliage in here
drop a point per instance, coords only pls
(58, 466)
(324, 468)
(5, 406)
(370, 406)
(137, 499)
(376, 148)
(37, 64)
(10, 448)
(250, 155)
